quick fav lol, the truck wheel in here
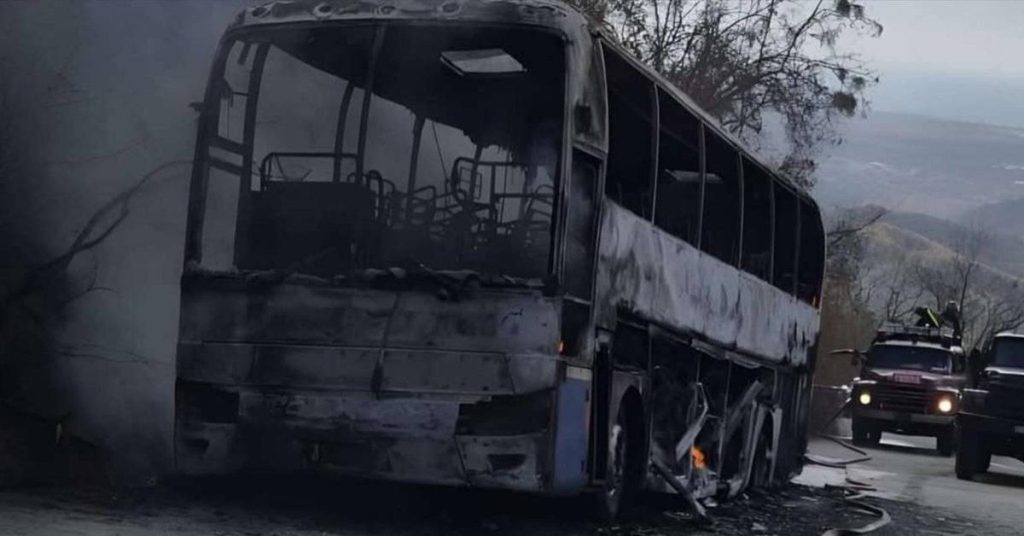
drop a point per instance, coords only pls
(864, 434)
(984, 459)
(946, 442)
(967, 456)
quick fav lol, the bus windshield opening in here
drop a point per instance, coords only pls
(374, 146)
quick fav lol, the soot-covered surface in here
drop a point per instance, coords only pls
(305, 506)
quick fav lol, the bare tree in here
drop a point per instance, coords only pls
(900, 295)
(1001, 309)
(846, 247)
(743, 60)
(37, 280)
(990, 301)
(952, 278)
(890, 289)
(100, 225)
(847, 320)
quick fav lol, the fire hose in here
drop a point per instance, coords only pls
(853, 491)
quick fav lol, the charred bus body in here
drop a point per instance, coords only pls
(910, 383)
(474, 243)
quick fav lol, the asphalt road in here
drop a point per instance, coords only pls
(908, 469)
(914, 484)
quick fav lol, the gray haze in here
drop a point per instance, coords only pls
(943, 133)
(104, 87)
(956, 59)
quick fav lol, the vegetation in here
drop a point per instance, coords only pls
(38, 281)
(881, 271)
(748, 62)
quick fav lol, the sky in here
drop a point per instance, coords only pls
(956, 59)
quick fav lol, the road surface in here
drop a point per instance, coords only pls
(907, 468)
(915, 486)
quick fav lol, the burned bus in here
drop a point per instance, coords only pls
(475, 243)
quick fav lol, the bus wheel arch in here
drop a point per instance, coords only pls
(765, 452)
(626, 455)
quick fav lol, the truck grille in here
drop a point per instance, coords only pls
(903, 398)
(1005, 401)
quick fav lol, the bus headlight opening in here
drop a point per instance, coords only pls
(864, 398)
(945, 405)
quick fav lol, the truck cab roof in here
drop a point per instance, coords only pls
(919, 344)
(942, 337)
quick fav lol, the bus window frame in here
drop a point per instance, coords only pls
(744, 157)
(208, 122)
(663, 134)
(652, 88)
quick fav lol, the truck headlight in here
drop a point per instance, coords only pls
(864, 398)
(945, 405)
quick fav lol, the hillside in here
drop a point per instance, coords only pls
(1002, 250)
(1006, 216)
(889, 245)
(911, 163)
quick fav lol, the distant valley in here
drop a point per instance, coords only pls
(937, 167)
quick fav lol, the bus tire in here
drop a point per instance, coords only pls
(622, 477)
(761, 473)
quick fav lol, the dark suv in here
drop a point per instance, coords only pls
(910, 382)
(991, 417)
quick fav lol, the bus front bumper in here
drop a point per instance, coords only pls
(393, 439)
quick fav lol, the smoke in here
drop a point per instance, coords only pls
(98, 94)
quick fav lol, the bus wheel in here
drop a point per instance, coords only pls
(762, 477)
(621, 478)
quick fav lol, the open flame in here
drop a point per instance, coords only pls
(698, 458)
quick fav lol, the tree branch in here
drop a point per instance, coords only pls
(95, 232)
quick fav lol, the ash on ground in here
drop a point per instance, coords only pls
(317, 506)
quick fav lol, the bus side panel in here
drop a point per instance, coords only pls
(572, 430)
(653, 275)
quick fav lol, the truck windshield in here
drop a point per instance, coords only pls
(374, 146)
(910, 358)
(1008, 353)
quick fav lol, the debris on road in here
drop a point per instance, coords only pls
(315, 508)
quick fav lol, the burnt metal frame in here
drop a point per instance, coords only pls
(742, 158)
(791, 412)
(199, 180)
(249, 142)
(741, 208)
(379, 31)
(208, 122)
(701, 159)
(655, 145)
